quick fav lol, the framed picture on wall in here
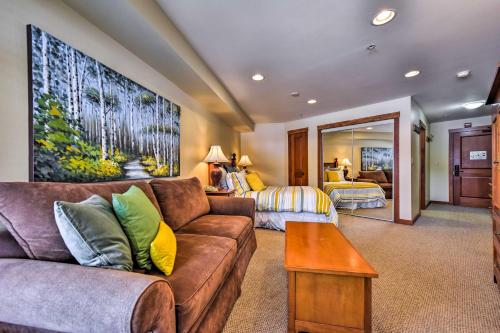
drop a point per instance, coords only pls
(90, 123)
(374, 158)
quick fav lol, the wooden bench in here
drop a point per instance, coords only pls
(329, 282)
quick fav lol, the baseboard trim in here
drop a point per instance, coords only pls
(440, 202)
(409, 222)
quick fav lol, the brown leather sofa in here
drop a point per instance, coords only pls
(44, 290)
(382, 178)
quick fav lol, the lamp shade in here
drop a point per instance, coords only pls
(215, 155)
(245, 161)
(345, 162)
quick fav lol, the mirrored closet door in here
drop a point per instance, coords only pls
(357, 169)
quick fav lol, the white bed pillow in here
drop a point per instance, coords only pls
(242, 178)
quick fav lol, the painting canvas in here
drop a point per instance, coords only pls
(90, 123)
(374, 158)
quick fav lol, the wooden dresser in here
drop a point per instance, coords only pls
(494, 101)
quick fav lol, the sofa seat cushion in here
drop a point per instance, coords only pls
(229, 226)
(201, 267)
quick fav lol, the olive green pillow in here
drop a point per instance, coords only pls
(140, 220)
(92, 233)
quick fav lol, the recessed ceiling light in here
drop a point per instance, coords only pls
(473, 105)
(384, 16)
(412, 73)
(369, 128)
(463, 74)
(312, 101)
(295, 94)
(257, 77)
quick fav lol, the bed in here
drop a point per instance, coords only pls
(277, 204)
(354, 195)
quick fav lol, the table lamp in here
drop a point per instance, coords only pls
(346, 163)
(216, 156)
(245, 161)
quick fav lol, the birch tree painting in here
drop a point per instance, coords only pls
(91, 123)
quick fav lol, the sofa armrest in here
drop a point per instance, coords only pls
(232, 206)
(72, 298)
(367, 180)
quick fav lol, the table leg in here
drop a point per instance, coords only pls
(291, 302)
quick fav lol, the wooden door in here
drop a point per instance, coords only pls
(422, 141)
(495, 184)
(297, 157)
(471, 166)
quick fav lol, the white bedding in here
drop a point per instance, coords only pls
(277, 220)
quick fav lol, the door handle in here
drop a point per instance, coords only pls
(456, 172)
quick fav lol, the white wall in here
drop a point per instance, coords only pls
(417, 115)
(199, 128)
(439, 151)
(403, 105)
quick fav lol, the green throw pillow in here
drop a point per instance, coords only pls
(92, 233)
(140, 220)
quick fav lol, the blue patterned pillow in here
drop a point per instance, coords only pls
(223, 181)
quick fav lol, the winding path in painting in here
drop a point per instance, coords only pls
(134, 170)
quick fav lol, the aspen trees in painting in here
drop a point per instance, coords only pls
(91, 123)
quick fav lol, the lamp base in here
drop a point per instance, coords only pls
(346, 171)
(216, 175)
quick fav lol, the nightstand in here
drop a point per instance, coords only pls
(221, 193)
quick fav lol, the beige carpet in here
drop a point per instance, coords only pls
(435, 276)
(384, 213)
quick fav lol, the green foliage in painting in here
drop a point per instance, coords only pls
(62, 152)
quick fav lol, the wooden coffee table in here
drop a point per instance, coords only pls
(329, 282)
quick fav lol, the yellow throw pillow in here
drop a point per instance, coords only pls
(335, 176)
(255, 182)
(163, 249)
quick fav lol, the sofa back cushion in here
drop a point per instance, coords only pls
(8, 245)
(27, 210)
(377, 175)
(388, 175)
(181, 200)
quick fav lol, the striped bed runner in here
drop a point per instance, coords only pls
(295, 199)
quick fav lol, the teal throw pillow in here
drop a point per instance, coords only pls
(92, 233)
(140, 220)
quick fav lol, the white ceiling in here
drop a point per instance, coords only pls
(143, 28)
(318, 48)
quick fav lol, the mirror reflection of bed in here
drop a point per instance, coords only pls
(357, 169)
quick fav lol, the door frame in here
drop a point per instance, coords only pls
(395, 169)
(451, 133)
(422, 142)
(290, 133)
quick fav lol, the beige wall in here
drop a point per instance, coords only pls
(341, 145)
(199, 128)
(401, 104)
(439, 152)
(268, 152)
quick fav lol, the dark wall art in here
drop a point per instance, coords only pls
(373, 158)
(90, 123)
